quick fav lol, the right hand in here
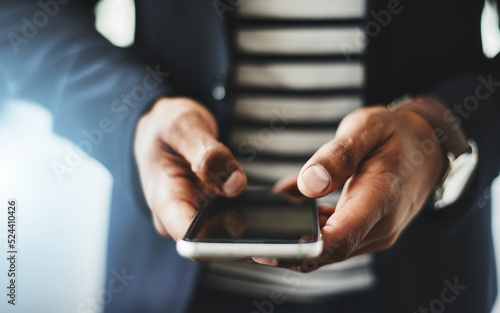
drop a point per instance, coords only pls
(182, 165)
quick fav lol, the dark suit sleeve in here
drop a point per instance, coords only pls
(52, 55)
(474, 99)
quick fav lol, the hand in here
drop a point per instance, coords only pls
(181, 164)
(388, 162)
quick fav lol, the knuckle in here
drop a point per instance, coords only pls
(175, 127)
(184, 117)
(189, 114)
(208, 158)
(344, 156)
(374, 119)
(347, 245)
(189, 109)
(389, 241)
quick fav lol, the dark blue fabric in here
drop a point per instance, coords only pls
(163, 281)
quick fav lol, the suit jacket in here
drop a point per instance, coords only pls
(50, 53)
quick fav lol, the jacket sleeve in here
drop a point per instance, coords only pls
(474, 99)
(51, 54)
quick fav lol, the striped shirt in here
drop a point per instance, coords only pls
(292, 86)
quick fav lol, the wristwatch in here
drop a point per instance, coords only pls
(461, 152)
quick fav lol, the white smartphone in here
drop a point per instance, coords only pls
(255, 224)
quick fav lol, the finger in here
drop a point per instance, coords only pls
(193, 134)
(372, 247)
(287, 186)
(177, 207)
(302, 266)
(176, 218)
(326, 209)
(266, 261)
(174, 196)
(365, 199)
(379, 238)
(160, 228)
(219, 259)
(324, 213)
(358, 134)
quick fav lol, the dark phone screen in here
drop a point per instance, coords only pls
(256, 217)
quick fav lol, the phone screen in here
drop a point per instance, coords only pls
(256, 217)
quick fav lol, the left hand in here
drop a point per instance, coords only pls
(388, 162)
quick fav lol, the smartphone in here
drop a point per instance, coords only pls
(254, 224)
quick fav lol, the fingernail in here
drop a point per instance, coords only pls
(316, 178)
(266, 261)
(234, 183)
(234, 226)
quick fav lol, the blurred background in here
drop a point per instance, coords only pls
(62, 222)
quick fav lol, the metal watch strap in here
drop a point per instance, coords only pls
(440, 118)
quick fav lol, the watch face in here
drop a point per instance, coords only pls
(457, 179)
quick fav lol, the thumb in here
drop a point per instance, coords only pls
(330, 167)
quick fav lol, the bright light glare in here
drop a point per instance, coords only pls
(115, 20)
